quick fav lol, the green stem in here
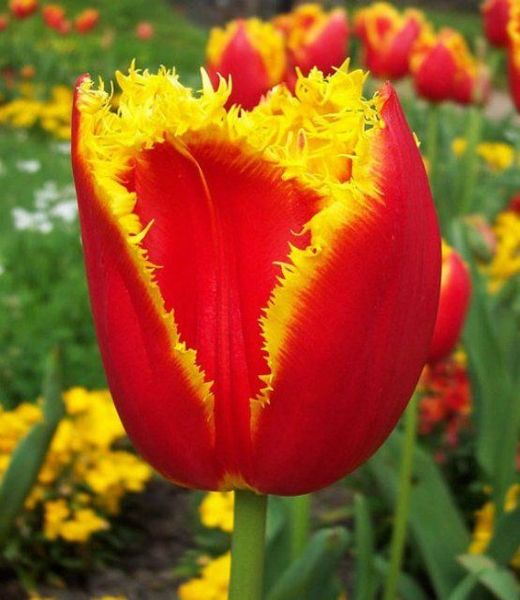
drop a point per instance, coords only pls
(247, 547)
(403, 499)
(300, 523)
(468, 177)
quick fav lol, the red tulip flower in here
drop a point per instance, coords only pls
(4, 22)
(453, 304)
(387, 38)
(252, 54)
(513, 54)
(53, 16)
(495, 14)
(443, 69)
(314, 38)
(22, 9)
(86, 20)
(263, 283)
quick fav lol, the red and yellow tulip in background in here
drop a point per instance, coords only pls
(264, 284)
(86, 20)
(453, 304)
(495, 15)
(4, 22)
(53, 16)
(22, 9)
(513, 53)
(252, 53)
(387, 38)
(443, 69)
(314, 38)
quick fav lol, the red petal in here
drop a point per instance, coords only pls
(361, 338)
(164, 417)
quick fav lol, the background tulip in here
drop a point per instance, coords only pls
(495, 14)
(252, 54)
(22, 9)
(388, 38)
(453, 304)
(86, 20)
(315, 38)
(298, 288)
(443, 69)
(53, 15)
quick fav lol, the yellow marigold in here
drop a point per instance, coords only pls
(506, 260)
(212, 584)
(216, 510)
(497, 155)
(485, 522)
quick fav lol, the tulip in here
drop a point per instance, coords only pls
(314, 38)
(22, 9)
(495, 14)
(86, 20)
(262, 282)
(4, 22)
(444, 69)
(144, 31)
(513, 54)
(388, 38)
(53, 16)
(453, 304)
(252, 54)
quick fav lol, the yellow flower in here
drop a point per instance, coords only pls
(497, 155)
(212, 584)
(216, 510)
(56, 511)
(83, 524)
(506, 260)
(485, 523)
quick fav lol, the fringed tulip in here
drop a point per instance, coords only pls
(86, 20)
(495, 14)
(252, 54)
(387, 38)
(453, 304)
(264, 284)
(513, 54)
(443, 69)
(22, 9)
(314, 38)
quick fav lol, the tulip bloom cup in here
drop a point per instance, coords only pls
(264, 284)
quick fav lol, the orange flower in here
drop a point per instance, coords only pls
(262, 281)
(86, 20)
(443, 68)
(453, 304)
(252, 54)
(387, 38)
(314, 38)
(22, 9)
(495, 14)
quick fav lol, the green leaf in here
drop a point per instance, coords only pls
(506, 538)
(364, 550)
(407, 587)
(432, 510)
(30, 453)
(312, 575)
(498, 580)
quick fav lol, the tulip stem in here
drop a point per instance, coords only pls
(403, 499)
(247, 546)
(469, 171)
(300, 524)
